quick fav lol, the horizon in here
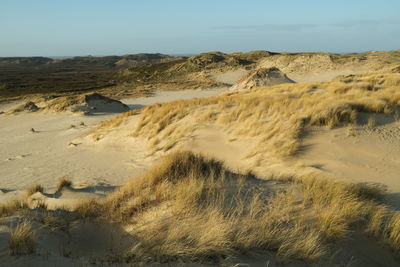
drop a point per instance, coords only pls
(193, 54)
(80, 28)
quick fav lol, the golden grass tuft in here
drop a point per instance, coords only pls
(11, 207)
(22, 239)
(63, 182)
(189, 207)
(33, 189)
(371, 122)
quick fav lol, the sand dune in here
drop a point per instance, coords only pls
(289, 173)
(230, 77)
(204, 126)
(307, 67)
(55, 148)
(261, 78)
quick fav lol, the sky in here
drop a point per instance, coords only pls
(116, 27)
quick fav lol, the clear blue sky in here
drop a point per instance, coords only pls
(100, 27)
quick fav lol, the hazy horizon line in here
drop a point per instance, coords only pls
(192, 54)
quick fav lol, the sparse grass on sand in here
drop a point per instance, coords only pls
(33, 189)
(22, 239)
(191, 208)
(274, 116)
(63, 182)
(12, 206)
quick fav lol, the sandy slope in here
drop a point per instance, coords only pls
(57, 150)
(356, 153)
(230, 77)
(96, 166)
(359, 154)
(214, 142)
(166, 96)
(48, 154)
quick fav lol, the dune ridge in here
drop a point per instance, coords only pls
(276, 117)
(267, 172)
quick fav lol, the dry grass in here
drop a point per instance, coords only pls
(275, 116)
(33, 189)
(22, 239)
(371, 122)
(188, 207)
(63, 183)
(11, 207)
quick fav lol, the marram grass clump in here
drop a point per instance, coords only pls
(190, 207)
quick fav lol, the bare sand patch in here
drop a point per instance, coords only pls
(360, 154)
(40, 148)
(230, 77)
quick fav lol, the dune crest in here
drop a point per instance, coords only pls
(260, 78)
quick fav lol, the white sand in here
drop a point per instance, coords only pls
(359, 154)
(56, 150)
(214, 142)
(166, 96)
(44, 156)
(230, 77)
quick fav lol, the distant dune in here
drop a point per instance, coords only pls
(138, 73)
(261, 78)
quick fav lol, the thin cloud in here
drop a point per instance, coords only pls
(268, 27)
(367, 22)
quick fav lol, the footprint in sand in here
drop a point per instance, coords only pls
(18, 157)
(71, 144)
(22, 156)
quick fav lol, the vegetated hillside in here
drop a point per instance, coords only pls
(192, 72)
(274, 117)
(323, 66)
(117, 75)
(26, 61)
(38, 75)
(190, 209)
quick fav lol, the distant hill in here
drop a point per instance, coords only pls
(118, 75)
(32, 75)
